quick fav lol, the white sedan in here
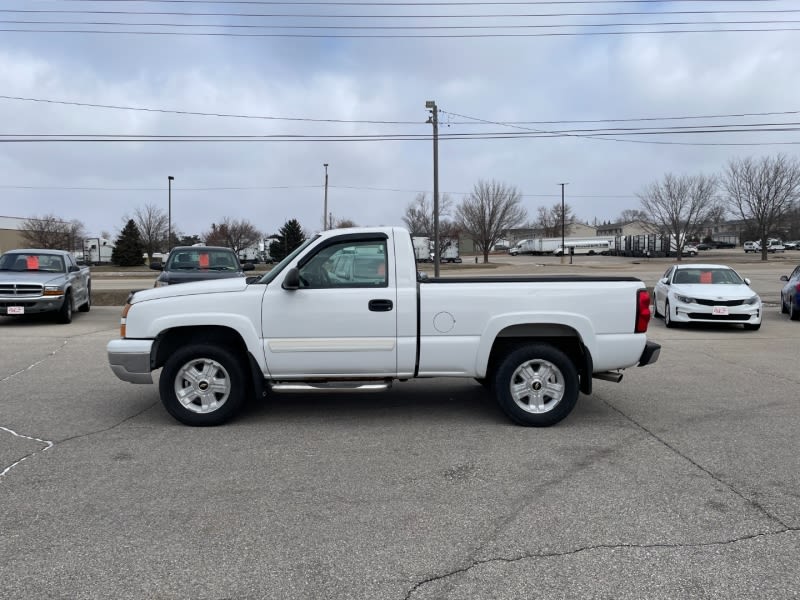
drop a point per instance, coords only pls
(695, 293)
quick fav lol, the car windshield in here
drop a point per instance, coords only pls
(202, 259)
(700, 275)
(35, 261)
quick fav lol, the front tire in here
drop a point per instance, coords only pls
(794, 313)
(203, 384)
(784, 310)
(752, 326)
(668, 316)
(65, 312)
(536, 385)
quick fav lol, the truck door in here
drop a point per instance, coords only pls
(342, 320)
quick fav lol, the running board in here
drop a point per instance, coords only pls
(331, 386)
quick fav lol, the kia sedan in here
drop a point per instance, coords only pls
(705, 293)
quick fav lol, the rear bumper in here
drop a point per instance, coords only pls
(130, 360)
(649, 354)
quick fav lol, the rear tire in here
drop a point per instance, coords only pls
(203, 384)
(87, 306)
(536, 385)
(656, 314)
(784, 310)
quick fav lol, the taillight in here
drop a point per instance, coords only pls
(642, 311)
(124, 320)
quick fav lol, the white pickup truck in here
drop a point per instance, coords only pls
(348, 311)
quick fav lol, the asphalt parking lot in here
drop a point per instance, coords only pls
(682, 481)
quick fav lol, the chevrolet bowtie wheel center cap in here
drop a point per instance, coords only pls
(203, 385)
(536, 386)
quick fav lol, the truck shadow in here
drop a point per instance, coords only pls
(456, 402)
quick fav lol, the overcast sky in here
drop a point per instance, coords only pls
(513, 77)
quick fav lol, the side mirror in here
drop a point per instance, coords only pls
(747, 280)
(248, 267)
(74, 269)
(664, 280)
(292, 279)
(252, 279)
(157, 266)
(784, 278)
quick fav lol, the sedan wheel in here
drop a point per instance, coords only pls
(668, 316)
(794, 313)
(784, 310)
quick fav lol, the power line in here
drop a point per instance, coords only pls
(394, 27)
(471, 120)
(384, 36)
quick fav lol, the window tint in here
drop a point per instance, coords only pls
(347, 264)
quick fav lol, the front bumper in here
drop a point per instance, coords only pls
(130, 360)
(649, 354)
(31, 306)
(697, 313)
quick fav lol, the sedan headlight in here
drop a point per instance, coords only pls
(752, 300)
(53, 290)
(684, 299)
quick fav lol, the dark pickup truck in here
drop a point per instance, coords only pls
(199, 263)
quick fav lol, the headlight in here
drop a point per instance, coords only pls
(753, 300)
(53, 290)
(684, 299)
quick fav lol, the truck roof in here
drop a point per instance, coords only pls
(38, 251)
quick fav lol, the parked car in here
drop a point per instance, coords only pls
(690, 250)
(199, 263)
(791, 245)
(720, 244)
(775, 246)
(752, 247)
(705, 293)
(790, 295)
(704, 246)
(37, 281)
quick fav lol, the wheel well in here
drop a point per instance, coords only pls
(171, 340)
(561, 337)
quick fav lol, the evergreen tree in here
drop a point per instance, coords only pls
(289, 237)
(129, 249)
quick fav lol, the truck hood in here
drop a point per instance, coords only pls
(31, 277)
(215, 286)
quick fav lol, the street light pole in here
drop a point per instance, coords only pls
(563, 217)
(325, 207)
(170, 179)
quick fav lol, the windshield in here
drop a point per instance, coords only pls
(273, 273)
(707, 276)
(35, 261)
(202, 259)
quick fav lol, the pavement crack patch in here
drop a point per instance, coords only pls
(37, 363)
(110, 427)
(47, 445)
(592, 548)
(716, 478)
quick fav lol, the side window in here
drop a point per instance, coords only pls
(347, 264)
(796, 274)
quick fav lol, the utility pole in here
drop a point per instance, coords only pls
(325, 207)
(563, 217)
(170, 179)
(434, 120)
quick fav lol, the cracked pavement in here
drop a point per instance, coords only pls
(682, 481)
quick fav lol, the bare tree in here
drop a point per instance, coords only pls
(633, 214)
(236, 234)
(152, 223)
(343, 223)
(488, 212)
(762, 192)
(52, 232)
(679, 206)
(548, 220)
(419, 214)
